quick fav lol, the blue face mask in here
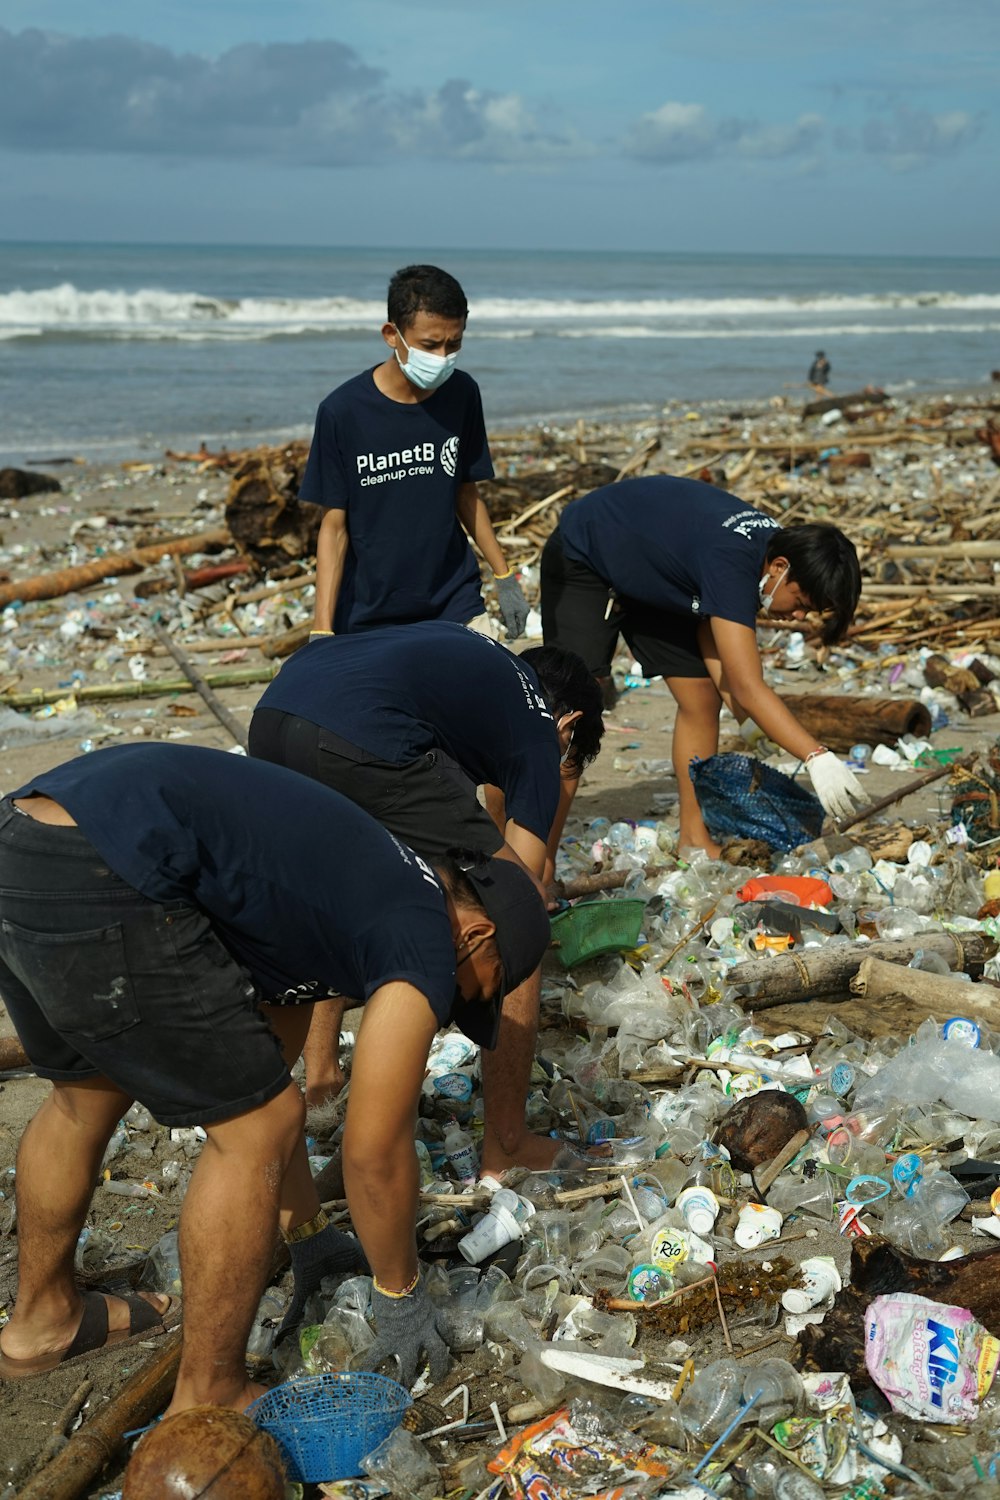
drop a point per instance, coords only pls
(425, 371)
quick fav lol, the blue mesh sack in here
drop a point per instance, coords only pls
(740, 797)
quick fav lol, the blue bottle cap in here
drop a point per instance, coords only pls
(961, 1029)
(906, 1169)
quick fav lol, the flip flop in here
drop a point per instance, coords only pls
(93, 1335)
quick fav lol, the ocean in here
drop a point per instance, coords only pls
(117, 351)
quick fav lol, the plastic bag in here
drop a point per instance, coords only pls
(932, 1362)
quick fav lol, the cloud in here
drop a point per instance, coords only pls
(312, 103)
(909, 138)
(679, 132)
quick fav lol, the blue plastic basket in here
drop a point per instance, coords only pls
(326, 1424)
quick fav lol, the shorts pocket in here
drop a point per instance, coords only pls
(79, 980)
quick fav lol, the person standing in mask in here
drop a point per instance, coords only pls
(396, 455)
(681, 570)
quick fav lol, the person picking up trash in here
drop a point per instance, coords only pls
(682, 570)
(167, 914)
(396, 455)
(408, 722)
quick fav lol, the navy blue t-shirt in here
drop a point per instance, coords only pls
(396, 469)
(398, 693)
(305, 889)
(676, 544)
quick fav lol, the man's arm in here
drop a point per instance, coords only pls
(475, 518)
(331, 549)
(742, 685)
(381, 1174)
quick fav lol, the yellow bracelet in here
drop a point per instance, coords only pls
(308, 1229)
(395, 1295)
(314, 633)
(508, 574)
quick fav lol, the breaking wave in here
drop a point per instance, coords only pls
(152, 313)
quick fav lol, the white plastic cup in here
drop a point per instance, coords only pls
(821, 1280)
(756, 1224)
(699, 1208)
(494, 1230)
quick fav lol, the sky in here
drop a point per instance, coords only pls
(752, 126)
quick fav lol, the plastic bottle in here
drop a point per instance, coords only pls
(699, 1208)
(461, 1154)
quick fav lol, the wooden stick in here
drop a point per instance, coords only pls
(515, 521)
(64, 1421)
(201, 687)
(85, 575)
(97, 1442)
(913, 785)
(691, 932)
(765, 1177)
(722, 1315)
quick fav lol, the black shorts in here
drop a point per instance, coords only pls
(99, 981)
(581, 613)
(429, 803)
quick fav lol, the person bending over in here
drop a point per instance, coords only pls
(167, 915)
(681, 570)
(408, 722)
(396, 455)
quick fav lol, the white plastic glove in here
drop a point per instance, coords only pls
(837, 788)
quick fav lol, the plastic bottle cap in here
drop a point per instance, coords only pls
(796, 1300)
(961, 1029)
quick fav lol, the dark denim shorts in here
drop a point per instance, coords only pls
(99, 981)
(428, 803)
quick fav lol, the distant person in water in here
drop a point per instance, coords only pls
(819, 371)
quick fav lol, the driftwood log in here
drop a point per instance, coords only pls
(870, 396)
(151, 688)
(268, 521)
(827, 972)
(12, 1055)
(18, 484)
(877, 1267)
(85, 575)
(928, 994)
(840, 721)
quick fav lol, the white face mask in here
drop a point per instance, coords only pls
(424, 370)
(767, 599)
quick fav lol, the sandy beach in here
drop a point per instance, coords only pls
(918, 473)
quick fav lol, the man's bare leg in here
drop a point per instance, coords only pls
(324, 1075)
(58, 1163)
(696, 733)
(228, 1230)
(507, 1141)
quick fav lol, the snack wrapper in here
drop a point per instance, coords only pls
(933, 1362)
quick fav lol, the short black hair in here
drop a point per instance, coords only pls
(569, 686)
(824, 564)
(428, 289)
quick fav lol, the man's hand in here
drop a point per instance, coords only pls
(513, 605)
(407, 1328)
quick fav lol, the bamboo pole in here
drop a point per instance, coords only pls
(201, 687)
(85, 575)
(153, 688)
(96, 1443)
